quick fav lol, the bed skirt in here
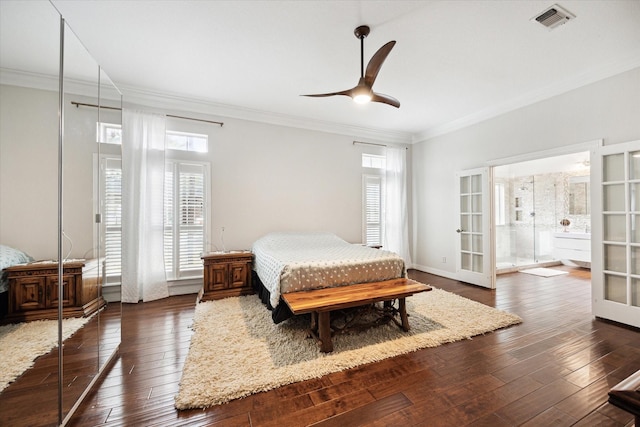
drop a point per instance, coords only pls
(278, 314)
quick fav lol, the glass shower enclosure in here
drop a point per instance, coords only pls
(524, 230)
(531, 200)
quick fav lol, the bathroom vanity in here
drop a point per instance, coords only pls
(573, 248)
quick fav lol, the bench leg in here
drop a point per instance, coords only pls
(324, 330)
(313, 330)
(402, 307)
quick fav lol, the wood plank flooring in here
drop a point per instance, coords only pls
(553, 369)
(32, 400)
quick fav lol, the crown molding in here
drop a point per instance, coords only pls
(50, 83)
(170, 101)
(591, 76)
(160, 100)
(27, 79)
(155, 99)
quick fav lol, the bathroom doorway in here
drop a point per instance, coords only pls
(536, 200)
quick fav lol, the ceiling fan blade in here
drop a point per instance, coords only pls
(373, 67)
(385, 99)
(319, 95)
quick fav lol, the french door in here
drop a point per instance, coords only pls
(615, 264)
(475, 256)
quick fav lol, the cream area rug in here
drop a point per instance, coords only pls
(22, 343)
(237, 350)
(544, 272)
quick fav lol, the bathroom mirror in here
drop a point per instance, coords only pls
(579, 190)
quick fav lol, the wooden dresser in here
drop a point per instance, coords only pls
(226, 274)
(33, 290)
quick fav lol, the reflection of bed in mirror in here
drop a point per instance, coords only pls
(9, 257)
(31, 288)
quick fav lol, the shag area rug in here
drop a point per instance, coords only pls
(237, 350)
(22, 343)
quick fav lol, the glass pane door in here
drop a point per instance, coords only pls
(616, 271)
(474, 261)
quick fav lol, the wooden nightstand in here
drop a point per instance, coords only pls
(226, 274)
(33, 290)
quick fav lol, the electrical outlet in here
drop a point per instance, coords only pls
(444, 259)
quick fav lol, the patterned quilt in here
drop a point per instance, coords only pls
(8, 257)
(289, 262)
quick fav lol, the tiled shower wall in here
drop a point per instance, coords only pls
(546, 195)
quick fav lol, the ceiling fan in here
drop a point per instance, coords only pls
(363, 92)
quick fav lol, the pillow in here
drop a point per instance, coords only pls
(10, 256)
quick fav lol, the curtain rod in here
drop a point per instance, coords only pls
(82, 104)
(368, 143)
(373, 143)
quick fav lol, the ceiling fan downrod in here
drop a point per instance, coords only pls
(362, 32)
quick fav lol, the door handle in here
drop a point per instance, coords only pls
(459, 230)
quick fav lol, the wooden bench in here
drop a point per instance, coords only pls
(626, 395)
(321, 302)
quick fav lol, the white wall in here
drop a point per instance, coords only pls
(608, 109)
(263, 177)
(29, 170)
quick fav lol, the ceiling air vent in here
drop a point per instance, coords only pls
(554, 16)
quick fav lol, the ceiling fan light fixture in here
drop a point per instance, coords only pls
(362, 98)
(361, 94)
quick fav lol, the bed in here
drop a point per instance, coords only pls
(291, 262)
(9, 257)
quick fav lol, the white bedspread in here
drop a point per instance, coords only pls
(289, 262)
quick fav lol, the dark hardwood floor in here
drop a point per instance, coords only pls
(32, 400)
(553, 369)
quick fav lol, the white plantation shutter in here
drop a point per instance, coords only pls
(373, 202)
(185, 204)
(191, 216)
(169, 258)
(112, 199)
(185, 213)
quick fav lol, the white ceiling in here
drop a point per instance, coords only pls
(455, 62)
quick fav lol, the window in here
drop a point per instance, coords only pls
(109, 133)
(112, 221)
(372, 207)
(187, 142)
(373, 199)
(374, 161)
(185, 213)
(185, 205)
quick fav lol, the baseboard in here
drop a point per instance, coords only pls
(185, 287)
(112, 293)
(435, 271)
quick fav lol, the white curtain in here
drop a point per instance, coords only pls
(143, 272)
(396, 229)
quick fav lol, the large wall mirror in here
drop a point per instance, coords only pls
(30, 192)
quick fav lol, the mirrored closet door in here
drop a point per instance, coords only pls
(50, 153)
